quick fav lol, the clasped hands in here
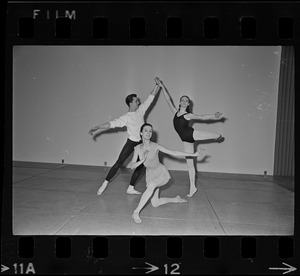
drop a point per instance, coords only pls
(158, 81)
(144, 155)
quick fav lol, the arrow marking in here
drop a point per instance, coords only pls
(151, 268)
(4, 268)
(288, 269)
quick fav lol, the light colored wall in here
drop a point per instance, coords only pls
(60, 92)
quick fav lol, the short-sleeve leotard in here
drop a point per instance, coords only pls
(155, 171)
(183, 129)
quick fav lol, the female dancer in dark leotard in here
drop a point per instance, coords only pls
(187, 134)
(181, 125)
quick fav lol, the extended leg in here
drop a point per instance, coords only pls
(157, 201)
(125, 152)
(205, 135)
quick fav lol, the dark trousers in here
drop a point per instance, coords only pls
(126, 151)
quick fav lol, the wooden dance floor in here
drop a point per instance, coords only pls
(61, 199)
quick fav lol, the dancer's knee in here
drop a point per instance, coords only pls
(190, 163)
(151, 186)
(117, 164)
(155, 202)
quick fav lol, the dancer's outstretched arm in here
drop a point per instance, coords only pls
(120, 122)
(178, 153)
(204, 117)
(144, 106)
(167, 95)
(155, 90)
(103, 126)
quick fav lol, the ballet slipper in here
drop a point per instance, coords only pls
(192, 192)
(101, 189)
(136, 218)
(180, 199)
(132, 192)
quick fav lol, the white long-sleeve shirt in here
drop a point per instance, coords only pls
(133, 120)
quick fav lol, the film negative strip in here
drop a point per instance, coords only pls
(202, 246)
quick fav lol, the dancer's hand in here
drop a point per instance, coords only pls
(93, 129)
(218, 115)
(145, 154)
(158, 81)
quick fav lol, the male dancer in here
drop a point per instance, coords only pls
(133, 120)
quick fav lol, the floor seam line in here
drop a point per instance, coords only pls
(214, 211)
(72, 217)
(50, 170)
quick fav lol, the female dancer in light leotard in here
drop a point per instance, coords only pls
(187, 134)
(157, 174)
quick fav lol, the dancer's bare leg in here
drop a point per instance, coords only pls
(157, 201)
(189, 148)
(205, 135)
(144, 198)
